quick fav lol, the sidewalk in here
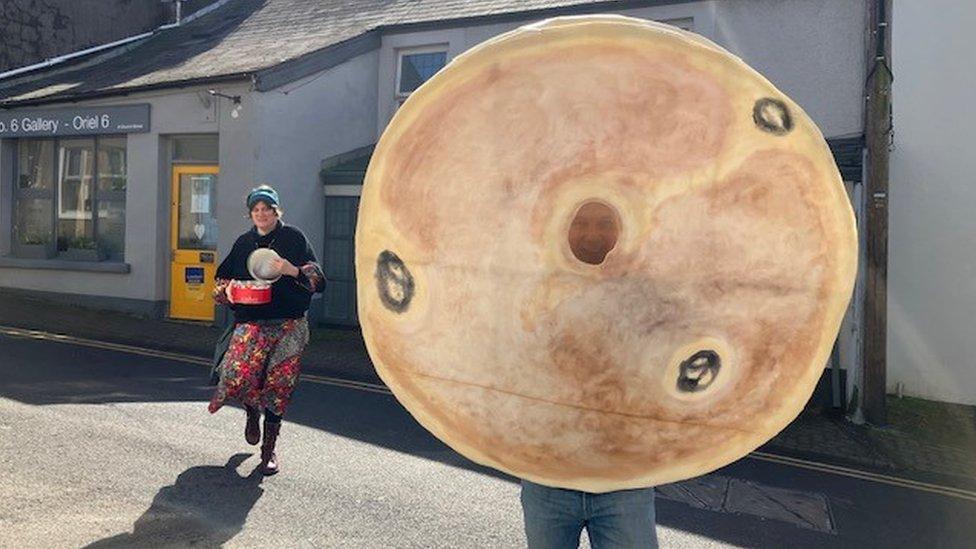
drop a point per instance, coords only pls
(927, 441)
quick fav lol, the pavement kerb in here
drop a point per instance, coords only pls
(954, 482)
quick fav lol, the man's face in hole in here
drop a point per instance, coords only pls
(594, 232)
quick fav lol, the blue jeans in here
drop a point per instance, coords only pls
(555, 517)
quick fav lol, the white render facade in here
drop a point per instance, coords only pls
(932, 229)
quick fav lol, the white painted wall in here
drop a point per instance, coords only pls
(932, 226)
(237, 153)
(812, 50)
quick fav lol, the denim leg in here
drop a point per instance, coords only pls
(622, 520)
(553, 516)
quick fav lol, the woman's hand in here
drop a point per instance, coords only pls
(284, 267)
(220, 293)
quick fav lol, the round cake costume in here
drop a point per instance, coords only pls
(602, 253)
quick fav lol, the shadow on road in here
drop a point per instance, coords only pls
(42, 373)
(205, 507)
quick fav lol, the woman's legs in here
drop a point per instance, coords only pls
(280, 379)
(240, 372)
(272, 426)
(252, 430)
(284, 366)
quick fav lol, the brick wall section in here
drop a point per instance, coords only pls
(35, 30)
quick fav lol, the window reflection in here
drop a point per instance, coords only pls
(76, 165)
(417, 68)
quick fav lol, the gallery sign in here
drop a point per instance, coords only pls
(74, 121)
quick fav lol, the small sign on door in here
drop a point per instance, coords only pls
(193, 275)
(200, 197)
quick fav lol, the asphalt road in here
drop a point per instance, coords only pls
(117, 449)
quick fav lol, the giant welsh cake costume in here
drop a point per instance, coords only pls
(690, 331)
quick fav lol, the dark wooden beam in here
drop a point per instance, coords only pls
(877, 139)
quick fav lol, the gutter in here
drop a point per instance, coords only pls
(599, 6)
(242, 76)
(74, 55)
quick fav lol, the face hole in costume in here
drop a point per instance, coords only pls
(594, 232)
(771, 115)
(699, 371)
(393, 282)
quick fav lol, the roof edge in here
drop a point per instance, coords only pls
(554, 11)
(342, 158)
(118, 92)
(316, 61)
(333, 55)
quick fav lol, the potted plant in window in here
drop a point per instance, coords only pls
(35, 246)
(83, 248)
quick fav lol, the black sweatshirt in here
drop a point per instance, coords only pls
(289, 296)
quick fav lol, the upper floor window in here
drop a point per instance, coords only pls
(415, 66)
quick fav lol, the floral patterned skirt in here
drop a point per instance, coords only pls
(261, 365)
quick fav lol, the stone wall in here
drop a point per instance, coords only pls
(35, 30)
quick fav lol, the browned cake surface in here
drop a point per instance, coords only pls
(602, 253)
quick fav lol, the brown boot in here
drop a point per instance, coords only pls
(252, 431)
(269, 461)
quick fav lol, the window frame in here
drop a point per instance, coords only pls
(403, 52)
(55, 195)
(64, 175)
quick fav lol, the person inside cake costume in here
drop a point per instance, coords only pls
(602, 254)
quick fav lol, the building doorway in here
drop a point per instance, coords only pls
(193, 241)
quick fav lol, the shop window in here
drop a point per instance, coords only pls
(34, 190)
(60, 184)
(110, 191)
(416, 66)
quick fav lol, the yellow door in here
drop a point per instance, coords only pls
(193, 242)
